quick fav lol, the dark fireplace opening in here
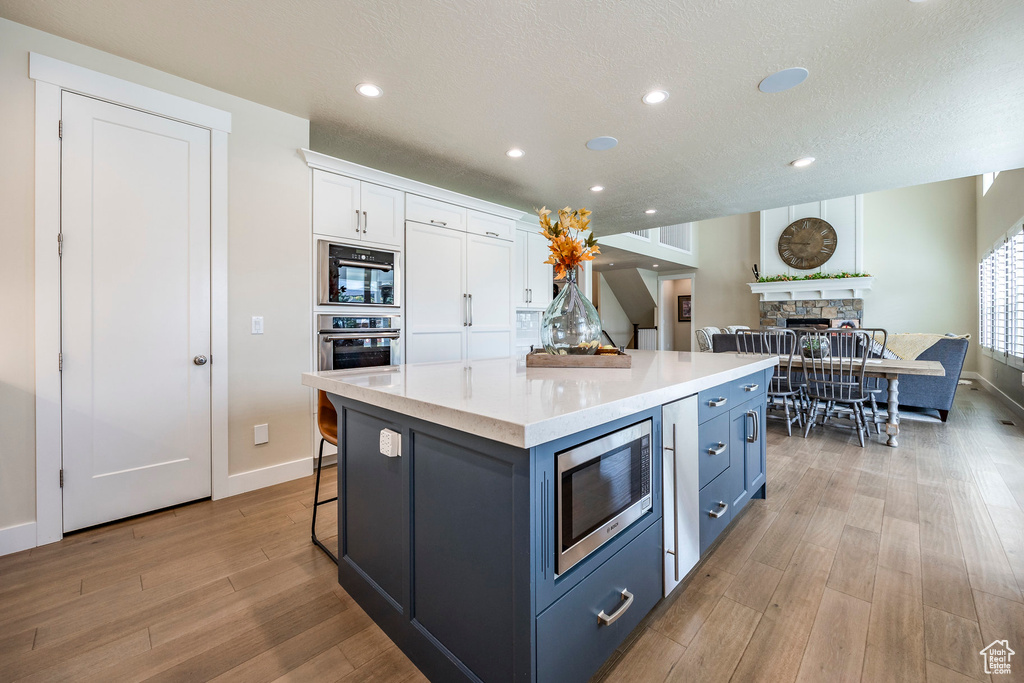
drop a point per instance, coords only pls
(813, 323)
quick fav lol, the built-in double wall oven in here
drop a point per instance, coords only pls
(603, 486)
(352, 276)
(358, 341)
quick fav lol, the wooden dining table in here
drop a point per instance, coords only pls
(891, 369)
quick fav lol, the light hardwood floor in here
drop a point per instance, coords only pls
(863, 564)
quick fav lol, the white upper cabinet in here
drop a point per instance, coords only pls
(383, 214)
(491, 226)
(351, 209)
(434, 212)
(336, 206)
(533, 277)
(489, 286)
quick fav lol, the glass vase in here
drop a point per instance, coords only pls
(571, 324)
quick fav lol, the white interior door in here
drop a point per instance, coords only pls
(135, 288)
(436, 306)
(489, 283)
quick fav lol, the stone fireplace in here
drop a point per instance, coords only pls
(777, 313)
(833, 299)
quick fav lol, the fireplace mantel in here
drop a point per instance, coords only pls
(826, 288)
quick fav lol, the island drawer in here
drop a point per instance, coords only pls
(713, 449)
(572, 640)
(748, 387)
(714, 500)
(714, 402)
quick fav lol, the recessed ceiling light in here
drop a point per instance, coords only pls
(611, 264)
(655, 97)
(802, 161)
(515, 153)
(369, 90)
(655, 265)
(601, 143)
(783, 80)
(651, 211)
(597, 188)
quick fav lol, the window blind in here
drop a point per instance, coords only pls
(1001, 297)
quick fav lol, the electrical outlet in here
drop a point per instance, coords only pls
(261, 434)
(257, 324)
(390, 443)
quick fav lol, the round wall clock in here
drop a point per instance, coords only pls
(807, 243)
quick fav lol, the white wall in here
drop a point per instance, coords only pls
(269, 265)
(840, 213)
(614, 320)
(997, 211)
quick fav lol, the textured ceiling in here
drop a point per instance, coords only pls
(899, 93)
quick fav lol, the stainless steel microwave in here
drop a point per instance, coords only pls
(603, 486)
(352, 275)
(349, 341)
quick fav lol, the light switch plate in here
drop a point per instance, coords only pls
(261, 434)
(257, 324)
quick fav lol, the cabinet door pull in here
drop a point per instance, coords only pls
(609, 619)
(748, 387)
(357, 220)
(716, 402)
(493, 234)
(465, 310)
(723, 507)
(719, 450)
(471, 310)
(752, 438)
(441, 223)
(364, 222)
(675, 502)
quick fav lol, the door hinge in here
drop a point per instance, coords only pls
(62, 477)
(60, 361)
(60, 129)
(60, 244)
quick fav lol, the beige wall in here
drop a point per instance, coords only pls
(919, 245)
(729, 248)
(269, 266)
(681, 332)
(998, 210)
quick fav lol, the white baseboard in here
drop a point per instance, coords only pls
(244, 482)
(16, 538)
(1017, 408)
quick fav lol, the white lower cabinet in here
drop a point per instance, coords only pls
(458, 290)
(681, 490)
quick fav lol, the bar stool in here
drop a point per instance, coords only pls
(327, 422)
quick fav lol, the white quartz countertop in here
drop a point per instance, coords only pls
(503, 400)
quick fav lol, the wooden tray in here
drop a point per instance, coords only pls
(541, 359)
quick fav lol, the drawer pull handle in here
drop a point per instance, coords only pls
(715, 402)
(723, 507)
(492, 233)
(717, 451)
(751, 387)
(609, 619)
(442, 223)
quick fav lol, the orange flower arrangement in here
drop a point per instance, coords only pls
(565, 236)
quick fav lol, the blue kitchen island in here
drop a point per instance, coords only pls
(504, 523)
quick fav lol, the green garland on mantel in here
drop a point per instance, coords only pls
(813, 276)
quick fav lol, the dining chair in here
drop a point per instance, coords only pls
(785, 385)
(327, 422)
(878, 338)
(834, 374)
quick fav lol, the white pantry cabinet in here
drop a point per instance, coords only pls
(458, 295)
(351, 209)
(533, 277)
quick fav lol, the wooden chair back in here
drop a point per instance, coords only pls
(327, 418)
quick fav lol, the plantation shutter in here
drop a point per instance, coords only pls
(1015, 295)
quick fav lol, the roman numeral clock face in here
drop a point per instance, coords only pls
(807, 243)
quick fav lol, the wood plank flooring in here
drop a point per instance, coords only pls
(863, 564)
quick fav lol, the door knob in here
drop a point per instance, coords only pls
(199, 360)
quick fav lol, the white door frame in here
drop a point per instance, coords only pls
(662, 327)
(53, 76)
